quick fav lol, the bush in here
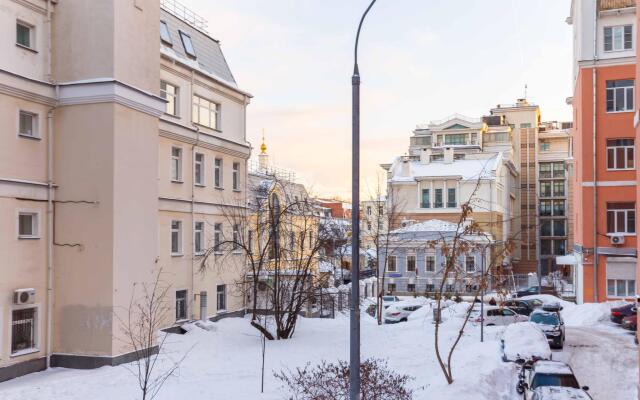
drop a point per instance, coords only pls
(329, 381)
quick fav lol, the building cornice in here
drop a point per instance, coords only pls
(607, 62)
(183, 134)
(13, 84)
(199, 207)
(23, 189)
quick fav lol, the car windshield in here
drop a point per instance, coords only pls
(389, 298)
(554, 380)
(544, 319)
(535, 302)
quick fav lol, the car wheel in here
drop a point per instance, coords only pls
(491, 324)
(403, 320)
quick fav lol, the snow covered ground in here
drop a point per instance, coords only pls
(225, 363)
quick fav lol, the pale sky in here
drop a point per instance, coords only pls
(420, 60)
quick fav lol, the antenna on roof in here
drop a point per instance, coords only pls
(525, 90)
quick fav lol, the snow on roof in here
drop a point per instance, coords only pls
(467, 169)
(432, 225)
(561, 393)
(552, 367)
(524, 340)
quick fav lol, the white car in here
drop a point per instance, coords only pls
(399, 312)
(559, 393)
(494, 315)
(524, 341)
(389, 300)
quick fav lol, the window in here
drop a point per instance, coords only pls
(217, 237)
(558, 188)
(426, 199)
(221, 297)
(620, 95)
(23, 330)
(176, 238)
(368, 210)
(558, 208)
(187, 44)
(545, 189)
(181, 305)
(411, 287)
(620, 154)
(236, 176)
(411, 263)
(621, 287)
(176, 164)
(545, 208)
(28, 225)
(24, 35)
(558, 170)
(217, 173)
(545, 170)
(391, 264)
(430, 264)
(236, 237)
(553, 227)
(551, 247)
(439, 202)
(545, 145)
(458, 139)
(470, 264)
(28, 124)
(451, 198)
(621, 218)
(165, 35)
(198, 237)
(368, 226)
(391, 287)
(617, 38)
(205, 112)
(169, 92)
(198, 169)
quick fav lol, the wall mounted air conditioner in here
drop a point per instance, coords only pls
(616, 240)
(24, 296)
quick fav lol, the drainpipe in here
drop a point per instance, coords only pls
(595, 158)
(193, 184)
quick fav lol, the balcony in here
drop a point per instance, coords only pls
(606, 5)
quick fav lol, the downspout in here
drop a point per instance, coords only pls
(50, 216)
(192, 211)
(595, 159)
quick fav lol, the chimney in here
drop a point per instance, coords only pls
(425, 156)
(448, 155)
(406, 169)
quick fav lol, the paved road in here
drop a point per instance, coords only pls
(603, 357)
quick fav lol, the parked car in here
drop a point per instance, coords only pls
(388, 300)
(399, 312)
(537, 290)
(559, 393)
(524, 341)
(523, 307)
(535, 375)
(494, 315)
(551, 323)
(630, 322)
(618, 313)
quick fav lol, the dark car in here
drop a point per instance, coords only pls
(630, 322)
(618, 313)
(523, 307)
(551, 323)
(533, 290)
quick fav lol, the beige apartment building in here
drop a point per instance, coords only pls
(123, 141)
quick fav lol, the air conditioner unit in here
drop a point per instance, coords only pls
(24, 296)
(616, 240)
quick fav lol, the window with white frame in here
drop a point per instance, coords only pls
(176, 164)
(169, 92)
(425, 201)
(411, 263)
(236, 176)
(28, 124)
(451, 198)
(620, 95)
(28, 225)
(198, 237)
(217, 237)
(236, 237)
(221, 297)
(217, 173)
(24, 330)
(391, 264)
(25, 36)
(439, 202)
(165, 35)
(181, 305)
(176, 238)
(621, 218)
(621, 287)
(620, 154)
(430, 262)
(205, 112)
(470, 264)
(187, 44)
(617, 38)
(198, 169)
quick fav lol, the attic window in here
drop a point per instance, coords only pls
(165, 35)
(187, 44)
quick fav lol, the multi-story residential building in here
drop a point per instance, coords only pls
(374, 221)
(605, 243)
(131, 150)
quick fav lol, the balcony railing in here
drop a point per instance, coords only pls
(604, 5)
(182, 12)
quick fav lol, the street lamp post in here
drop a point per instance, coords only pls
(354, 334)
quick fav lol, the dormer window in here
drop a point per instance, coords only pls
(187, 44)
(165, 35)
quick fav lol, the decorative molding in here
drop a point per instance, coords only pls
(207, 141)
(23, 190)
(200, 207)
(610, 183)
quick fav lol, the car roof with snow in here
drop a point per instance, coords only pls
(560, 393)
(524, 340)
(552, 367)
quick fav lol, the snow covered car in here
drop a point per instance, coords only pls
(388, 300)
(559, 393)
(524, 341)
(399, 312)
(543, 374)
(551, 324)
(494, 315)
